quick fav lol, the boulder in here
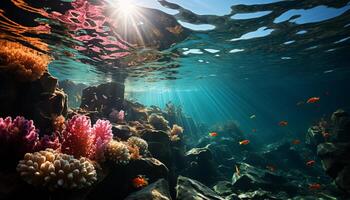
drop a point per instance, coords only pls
(158, 145)
(103, 98)
(39, 100)
(158, 190)
(200, 161)
(340, 123)
(189, 189)
(258, 195)
(121, 131)
(223, 188)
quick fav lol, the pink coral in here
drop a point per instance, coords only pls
(102, 132)
(81, 140)
(18, 136)
(77, 138)
(51, 142)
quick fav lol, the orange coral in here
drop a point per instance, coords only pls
(26, 63)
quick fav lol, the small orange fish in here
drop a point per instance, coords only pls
(244, 142)
(139, 181)
(283, 123)
(314, 186)
(313, 100)
(272, 168)
(213, 134)
(310, 163)
(296, 142)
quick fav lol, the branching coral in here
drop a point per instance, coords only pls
(141, 144)
(117, 152)
(77, 138)
(102, 132)
(25, 63)
(17, 136)
(51, 142)
(56, 170)
(158, 122)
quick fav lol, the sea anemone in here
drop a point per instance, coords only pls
(117, 152)
(158, 122)
(25, 63)
(17, 136)
(56, 170)
(77, 138)
(138, 142)
(102, 132)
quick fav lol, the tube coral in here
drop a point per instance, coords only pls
(77, 138)
(158, 122)
(102, 132)
(117, 152)
(18, 136)
(25, 63)
(140, 143)
(56, 170)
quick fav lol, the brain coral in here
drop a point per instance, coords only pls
(25, 63)
(56, 170)
(138, 142)
(117, 152)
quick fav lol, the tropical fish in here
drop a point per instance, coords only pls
(313, 100)
(238, 172)
(244, 142)
(314, 186)
(213, 134)
(271, 168)
(283, 123)
(254, 130)
(300, 103)
(252, 117)
(139, 181)
(310, 163)
(296, 141)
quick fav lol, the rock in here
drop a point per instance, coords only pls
(340, 121)
(158, 145)
(254, 178)
(189, 189)
(103, 98)
(257, 195)
(39, 100)
(200, 161)
(150, 167)
(343, 179)
(223, 188)
(121, 131)
(232, 197)
(158, 190)
(135, 111)
(314, 136)
(334, 157)
(73, 90)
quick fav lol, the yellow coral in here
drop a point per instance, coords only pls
(56, 170)
(117, 152)
(25, 63)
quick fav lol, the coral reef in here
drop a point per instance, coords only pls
(176, 132)
(141, 144)
(102, 133)
(56, 170)
(158, 122)
(77, 138)
(117, 152)
(81, 140)
(17, 136)
(25, 63)
(51, 142)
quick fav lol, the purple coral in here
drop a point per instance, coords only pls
(17, 136)
(102, 131)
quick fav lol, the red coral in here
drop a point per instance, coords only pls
(77, 138)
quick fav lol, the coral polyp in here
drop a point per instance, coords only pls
(25, 63)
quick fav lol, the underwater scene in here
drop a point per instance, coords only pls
(175, 99)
